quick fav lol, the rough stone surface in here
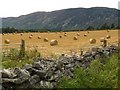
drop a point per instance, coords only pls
(45, 73)
(34, 79)
(6, 73)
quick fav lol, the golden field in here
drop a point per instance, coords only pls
(65, 44)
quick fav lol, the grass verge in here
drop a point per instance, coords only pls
(11, 59)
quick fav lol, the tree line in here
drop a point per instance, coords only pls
(105, 26)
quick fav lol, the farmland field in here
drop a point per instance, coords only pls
(65, 44)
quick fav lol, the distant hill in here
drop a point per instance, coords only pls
(73, 18)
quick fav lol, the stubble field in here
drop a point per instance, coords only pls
(66, 44)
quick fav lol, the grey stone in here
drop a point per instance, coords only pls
(38, 65)
(15, 81)
(46, 84)
(55, 77)
(97, 57)
(89, 59)
(22, 74)
(34, 79)
(6, 73)
(49, 73)
(61, 62)
(80, 59)
(7, 80)
(40, 73)
(44, 73)
(69, 66)
(64, 60)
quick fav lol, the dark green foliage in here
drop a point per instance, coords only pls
(105, 27)
(97, 75)
(9, 30)
(112, 26)
(90, 28)
(13, 30)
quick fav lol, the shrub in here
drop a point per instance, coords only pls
(97, 75)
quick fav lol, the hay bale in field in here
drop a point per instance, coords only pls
(7, 41)
(108, 36)
(102, 39)
(30, 37)
(92, 41)
(39, 37)
(78, 34)
(21, 34)
(75, 38)
(88, 32)
(85, 35)
(60, 36)
(46, 39)
(53, 42)
(65, 34)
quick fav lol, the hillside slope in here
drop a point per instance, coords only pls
(73, 18)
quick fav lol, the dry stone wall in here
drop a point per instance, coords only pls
(44, 73)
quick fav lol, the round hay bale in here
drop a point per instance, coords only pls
(39, 37)
(60, 36)
(108, 31)
(92, 41)
(88, 32)
(53, 42)
(85, 35)
(102, 39)
(21, 34)
(75, 38)
(30, 37)
(108, 37)
(7, 41)
(65, 34)
(46, 39)
(78, 34)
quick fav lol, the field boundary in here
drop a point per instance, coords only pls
(32, 47)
